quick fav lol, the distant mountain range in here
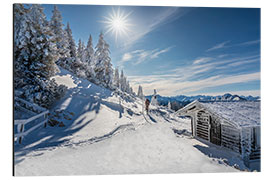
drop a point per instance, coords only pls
(183, 100)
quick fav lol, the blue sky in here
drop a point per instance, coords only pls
(178, 50)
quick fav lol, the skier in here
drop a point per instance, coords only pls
(147, 102)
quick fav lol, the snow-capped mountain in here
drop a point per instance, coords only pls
(225, 97)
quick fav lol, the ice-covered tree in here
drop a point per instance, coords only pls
(99, 67)
(35, 54)
(103, 67)
(22, 26)
(169, 105)
(80, 50)
(71, 42)
(89, 60)
(59, 33)
(42, 47)
(140, 92)
(116, 79)
(122, 81)
(108, 78)
(154, 98)
(89, 52)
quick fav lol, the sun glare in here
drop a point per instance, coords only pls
(117, 23)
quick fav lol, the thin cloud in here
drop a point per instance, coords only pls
(249, 43)
(184, 79)
(156, 54)
(175, 86)
(126, 57)
(202, 60)
(224, 45)
(218, 46)
(139, 56)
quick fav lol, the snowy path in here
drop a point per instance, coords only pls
(103, 137)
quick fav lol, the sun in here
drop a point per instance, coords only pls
(117, 23)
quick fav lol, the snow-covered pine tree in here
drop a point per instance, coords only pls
(116, 80)
(154, 98)
(22, 25)
(80, 50)
(103, 66)
(108, 78)
(140, 92)
(71, 42)
(35, 54)
(59, 34)
(89, 58)
(83, 53)
(89, 52)
(128, 87)
(122, 81)
(124, 84)
(169, 105)
(42, 46)
(99, 67)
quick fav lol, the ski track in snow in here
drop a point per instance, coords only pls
(104, 137)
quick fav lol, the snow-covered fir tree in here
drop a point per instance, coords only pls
(103, 67)
(22, 25)
(71, 42)
(83, 59)
(108, 78)
(60, 34)
(35, 53)
(128, 90)
(169, 105)
(140, 92)
(42, 46)
(89, 60)
(154, 100)
(99, 62)
(89, 52)
(116, 80)
(80, 50)
(122, 81)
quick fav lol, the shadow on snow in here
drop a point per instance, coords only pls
(86, 97)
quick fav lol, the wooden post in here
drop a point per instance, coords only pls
(45, 117)
(21, 131)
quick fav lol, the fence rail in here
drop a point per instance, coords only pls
(22, 122)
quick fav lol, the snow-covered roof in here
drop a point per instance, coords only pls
(244, 113)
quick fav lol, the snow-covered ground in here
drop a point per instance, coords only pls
(108, 134)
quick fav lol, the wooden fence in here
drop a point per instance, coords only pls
(20, 123)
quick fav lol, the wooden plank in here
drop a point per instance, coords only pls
(201, 132)
(202, 127)
(237, 138)
(30, 119)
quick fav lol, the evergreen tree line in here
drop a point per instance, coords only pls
(41, 45)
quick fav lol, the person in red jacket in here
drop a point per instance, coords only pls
(147, 102)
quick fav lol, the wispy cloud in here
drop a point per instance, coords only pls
(225, 45)
(139, 56)
(200, 75)
(171, 85)
(126, 57)
(218, 46)
(202, 60)
(156, 54)
(249, 43)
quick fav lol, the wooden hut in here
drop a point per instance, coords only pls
(234, 125)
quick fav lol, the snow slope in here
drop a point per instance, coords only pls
(108, 134)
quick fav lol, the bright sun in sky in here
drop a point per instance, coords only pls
(117, 23)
